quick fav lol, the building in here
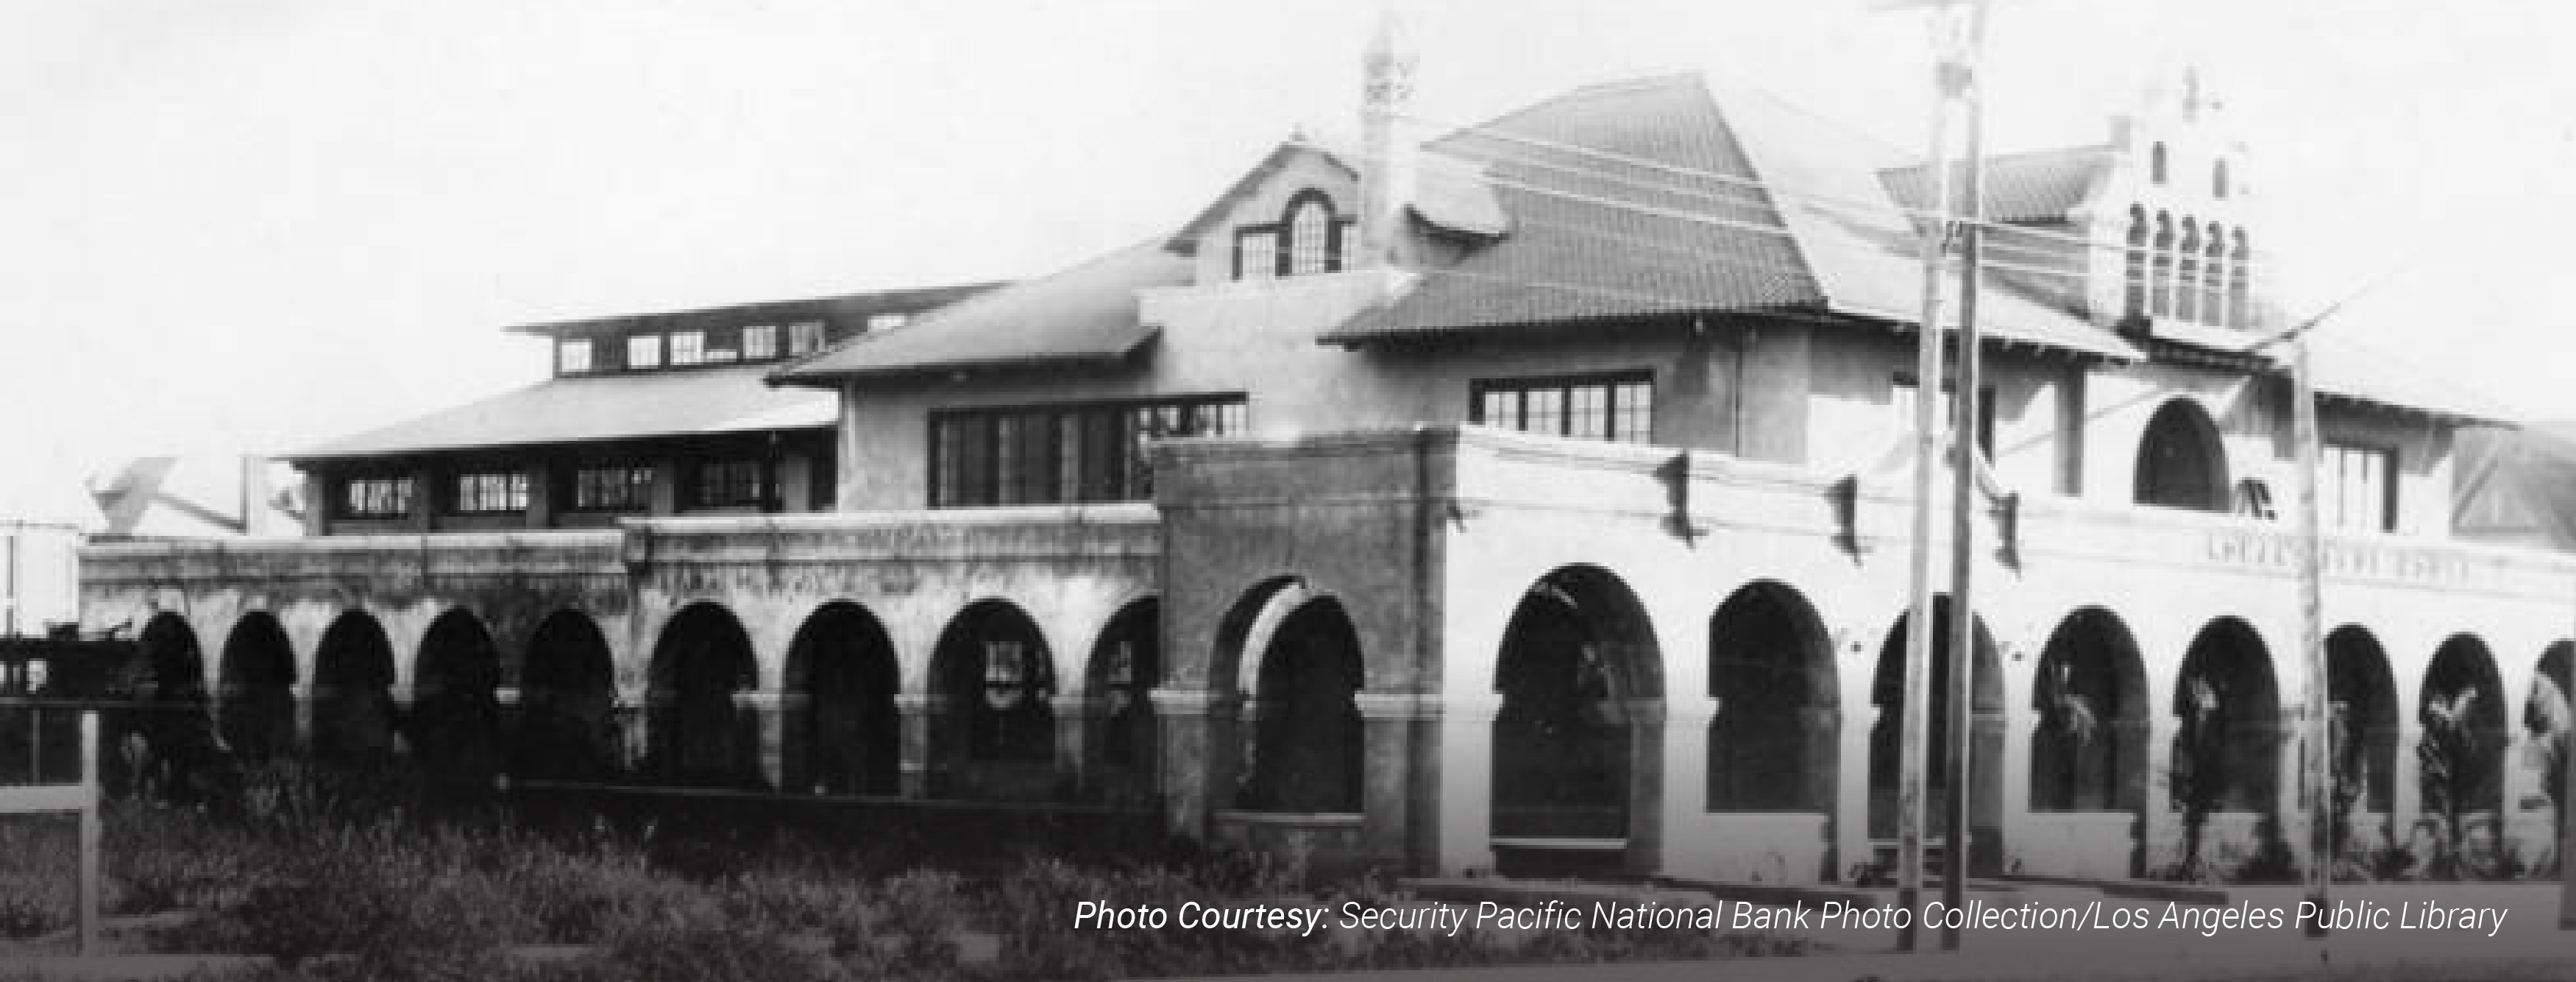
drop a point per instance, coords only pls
(1526, 496)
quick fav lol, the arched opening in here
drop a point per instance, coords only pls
(2459, 760)
(2213, 277)
(256, 699)
(2240, 279)
(567, 703)
(1986, 732)
(2181, 463)
(2550, 717)
(2160, 282)
(2088, 752)
(698, 734)
(164, 737)
(1577, 655)
(2218, 179)
(843, 735)
(2133, 300)
(1126, 663)
(455, 705)
(995, 734)
(1772, 743)
(1308, 739)
(2156, 164)
(353, 703)
(2361, 698)
(2227, 746)
(2187, 280)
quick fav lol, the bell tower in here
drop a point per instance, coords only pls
(1388, 147)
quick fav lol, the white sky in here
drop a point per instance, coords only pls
(252, 225)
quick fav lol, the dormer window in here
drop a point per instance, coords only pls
(759, 343)
(688, 347)
(1311, 238)
(1256, 253)
(644, 351)
(572, 357)
(804, 337)
(1306, 240)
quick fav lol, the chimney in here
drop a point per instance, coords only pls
(254, 497)
(1386, 146)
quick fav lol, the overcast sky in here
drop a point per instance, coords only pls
(251, 225)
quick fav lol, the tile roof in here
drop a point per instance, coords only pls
(680, 402)
(2342, 369)
(1084, 314)
(1683, 199)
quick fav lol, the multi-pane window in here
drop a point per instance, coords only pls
(491, 492)
(1256, 254)
(804, 337)
(759, 342)
(730, 483)
(2357, 487)
(1620, 408)
(375, 497)
(572, 357)
(688, 347)
(887, 322)
(644, 351)
(619, 487)
(1903, 393)
(1064, 454)
(1310, 237)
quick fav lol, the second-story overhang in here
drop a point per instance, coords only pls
(597, 408)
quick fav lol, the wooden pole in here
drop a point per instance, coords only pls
(1961, 83)
(1913, 726)
(2317, 760)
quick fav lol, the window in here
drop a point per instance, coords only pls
(375, 497)
(887, 322)
(2357, 487)
(1619, 408)
(2134, 263)
(1256, 254)
(688, 347)
(730, 483)
(2240, 293)
(804, 338)
(1064, 454)
(2160, 277)
(1903, 393)
(2187, 284)
(644, 351)
(1307, 239)
(2156, 164)
(2218, 179)
(759, 343)
(491, 492)
(2213, 278)
(1310, 237)
(619, 487)
(572, 357)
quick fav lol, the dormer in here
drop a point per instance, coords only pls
(1295, 214)
(2175, 218)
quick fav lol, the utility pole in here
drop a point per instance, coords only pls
(1961, 83)
(1913, 732)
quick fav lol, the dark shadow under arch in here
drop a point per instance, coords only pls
(567, 703)
(1774, 744)
(843, 736)
(256, 700)
(353, 703)
(455, 720)
(2181, 462)
(698, 733)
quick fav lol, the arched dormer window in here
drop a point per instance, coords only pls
(1313, 235)
(2218, 179)
(2156, 164)
(2133, 300)
(2240, 290)
(2187, 285)
(1307, 239)
(2213, 278)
